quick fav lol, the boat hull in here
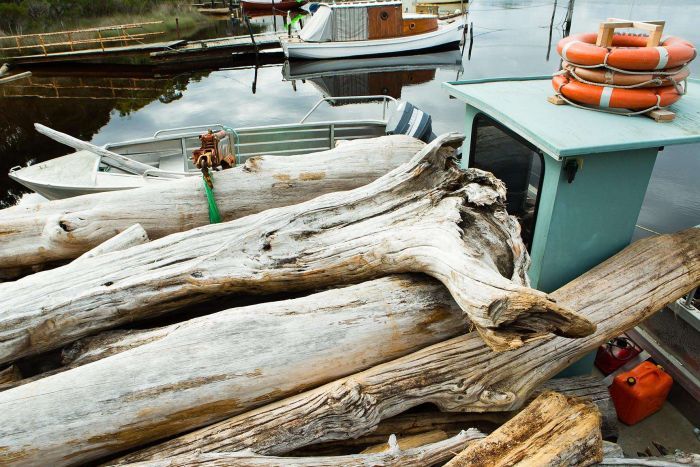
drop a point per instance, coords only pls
(267, 5)
(446, 36)
(57, 191)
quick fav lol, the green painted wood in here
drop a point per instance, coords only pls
(563, 130)
(583, 223)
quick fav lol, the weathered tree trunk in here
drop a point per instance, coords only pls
(64, 229)
(462, 374)
(411, 220)
(417, 423)
(429, 454)
(407, 442)
(674, 460)
(200, 371)
(553, 430)
(10, 375)
(104, 344)
(132, 236)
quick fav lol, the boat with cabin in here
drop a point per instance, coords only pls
(168, 153)
(361, 29)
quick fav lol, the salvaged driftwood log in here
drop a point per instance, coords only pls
(407, 442)
(429, 454)
(461, 374)
(671, 460)
(104, 344)
(425, 216)
(132, 236)
(553, 430)
(10, 375)
(200, 371)
(423, 420)
(588, 388)
(64, 229)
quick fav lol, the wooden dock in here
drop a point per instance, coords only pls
(223, 46)
(87, 54)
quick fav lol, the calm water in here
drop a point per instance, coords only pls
(511, 38)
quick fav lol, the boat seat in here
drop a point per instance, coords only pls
(174, 163)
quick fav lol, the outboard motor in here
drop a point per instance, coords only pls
(410, 120)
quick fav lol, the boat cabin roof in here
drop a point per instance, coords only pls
(521, 105)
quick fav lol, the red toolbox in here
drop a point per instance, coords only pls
(640, 392)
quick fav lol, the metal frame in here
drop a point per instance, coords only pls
(279, 139)
(384, 98)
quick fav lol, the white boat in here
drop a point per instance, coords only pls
(307, 69)
(370, 29)
(167, 154)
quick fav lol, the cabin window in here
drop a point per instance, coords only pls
(516, 162)
(384, 16)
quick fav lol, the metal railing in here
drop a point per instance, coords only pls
(384, 98)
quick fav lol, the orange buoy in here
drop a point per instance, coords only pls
(645, 80)
(627, 52)
(607, 97)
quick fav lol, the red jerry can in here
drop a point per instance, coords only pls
(640, 392)
(615, 353)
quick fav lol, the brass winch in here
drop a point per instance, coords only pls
(209, 156)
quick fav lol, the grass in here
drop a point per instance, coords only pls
(189, 18)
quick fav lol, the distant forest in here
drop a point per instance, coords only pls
(21, 16)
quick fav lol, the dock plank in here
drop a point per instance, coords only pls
(92, 53)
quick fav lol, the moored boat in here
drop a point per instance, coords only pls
(370, 29)
(168, 153)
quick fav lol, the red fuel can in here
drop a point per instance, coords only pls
(640, 392)
(615, 353)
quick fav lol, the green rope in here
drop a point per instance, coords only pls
(214, 216)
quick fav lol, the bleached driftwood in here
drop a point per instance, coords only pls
(462, 374)
(429, 454)
(425, 216)
(673, 460)
(200, 371)
(10, 375)
(407, 442)
(423, 421)
(554, 430)
(100, 346)
(132, 236)
(64, 229)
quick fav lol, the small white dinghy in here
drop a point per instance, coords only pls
(168, 153)
(370, 29)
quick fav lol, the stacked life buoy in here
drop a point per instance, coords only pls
(627, 76)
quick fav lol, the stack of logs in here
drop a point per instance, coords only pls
(326, 313)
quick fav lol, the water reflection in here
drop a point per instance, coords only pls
(371, 76)
(510, 38)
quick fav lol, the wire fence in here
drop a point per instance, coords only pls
(80, 39)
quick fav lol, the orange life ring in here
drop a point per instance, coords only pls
(614, 98)
(628, 52)
(605, 76)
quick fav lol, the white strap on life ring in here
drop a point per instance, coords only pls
(605, 97)
(663, 58)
